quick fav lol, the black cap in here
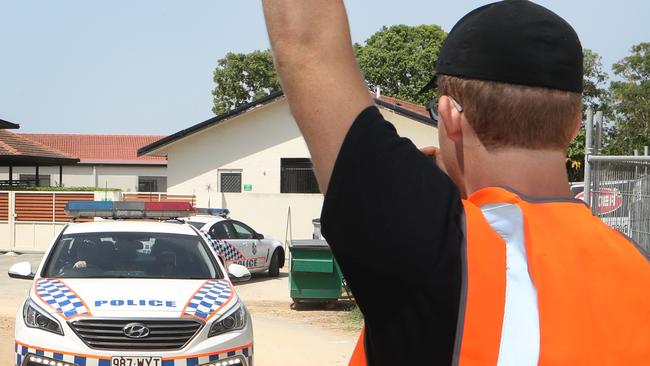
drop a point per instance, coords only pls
(516, 42)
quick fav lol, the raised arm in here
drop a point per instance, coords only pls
(313, 55)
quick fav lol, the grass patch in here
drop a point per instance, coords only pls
(354, 318)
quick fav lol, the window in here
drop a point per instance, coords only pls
(243, 231)
(152, 184)
(297, 176)
(222, 230)
(123, 255)
(230, 181)
(30, 179)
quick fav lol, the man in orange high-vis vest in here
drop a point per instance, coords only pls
(491, 261)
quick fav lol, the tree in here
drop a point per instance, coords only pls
(242, 78)
(595, 96)
(631, 102)
(401, 59)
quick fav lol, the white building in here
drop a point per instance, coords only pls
(254, 161)
(104, 161)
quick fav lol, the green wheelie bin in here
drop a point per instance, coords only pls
(314, 275)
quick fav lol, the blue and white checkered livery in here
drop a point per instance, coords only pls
(208, 300)
(24, 351)
(61, 298)
(225, 249)
(229, 252)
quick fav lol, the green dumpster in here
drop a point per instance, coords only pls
(314, 275)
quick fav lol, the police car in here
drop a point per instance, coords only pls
(132, 293)
(238, 243)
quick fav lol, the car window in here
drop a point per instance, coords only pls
(131, 255)
(196, 224)
(222, 230)
(243, 231)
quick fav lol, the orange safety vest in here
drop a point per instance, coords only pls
(547, 283)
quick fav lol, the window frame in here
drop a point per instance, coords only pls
(245, 227)
(156, 180)
(220, 172)
(286, 168)
(225, 223)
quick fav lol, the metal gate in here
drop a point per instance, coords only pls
(617, 188)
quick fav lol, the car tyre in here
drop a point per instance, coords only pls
(274, 266)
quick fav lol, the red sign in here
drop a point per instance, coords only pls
(606, 200)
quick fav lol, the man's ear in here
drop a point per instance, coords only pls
(576, 129)
(451, 118)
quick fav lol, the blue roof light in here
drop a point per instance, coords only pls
(223, 212)
(129, 209)
(89, 205)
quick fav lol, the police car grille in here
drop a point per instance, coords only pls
(108, 334)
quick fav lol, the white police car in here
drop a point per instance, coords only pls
(238, 243)
(131, 293)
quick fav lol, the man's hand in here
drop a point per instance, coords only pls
(314, 59)
(434, 153)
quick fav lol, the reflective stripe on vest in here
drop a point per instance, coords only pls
(547, 283)
(572, 290)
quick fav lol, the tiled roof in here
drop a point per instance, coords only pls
(101, 149)
(18, 149)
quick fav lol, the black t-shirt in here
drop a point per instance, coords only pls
(393, 221)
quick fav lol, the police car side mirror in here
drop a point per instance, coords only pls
(22, 270)
(238, 273)
(259, 236)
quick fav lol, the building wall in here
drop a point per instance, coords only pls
(124, 177)
(254, 143)
(268, 214)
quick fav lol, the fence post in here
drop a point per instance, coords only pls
(598, 122)
(11, 219)
(589, 126)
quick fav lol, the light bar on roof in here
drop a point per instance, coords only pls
(223, 212)
(129, 209)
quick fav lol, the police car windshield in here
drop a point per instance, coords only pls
(131, 255)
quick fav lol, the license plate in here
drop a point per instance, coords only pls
(135, 361)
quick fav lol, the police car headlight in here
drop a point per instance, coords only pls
(235, 320)
(36, 317)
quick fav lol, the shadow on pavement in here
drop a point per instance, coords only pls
(334, 305)
(261, 277)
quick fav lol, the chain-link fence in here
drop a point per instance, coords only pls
(619, 191)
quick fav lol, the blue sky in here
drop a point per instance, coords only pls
(146, 66)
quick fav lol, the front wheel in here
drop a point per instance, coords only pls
(274, 266)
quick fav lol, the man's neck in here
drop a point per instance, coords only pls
(534, 173)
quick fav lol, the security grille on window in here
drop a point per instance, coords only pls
(297, 176)
(230, 182)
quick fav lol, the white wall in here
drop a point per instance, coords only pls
(268, 213)
(254, 143)
(124, 177)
